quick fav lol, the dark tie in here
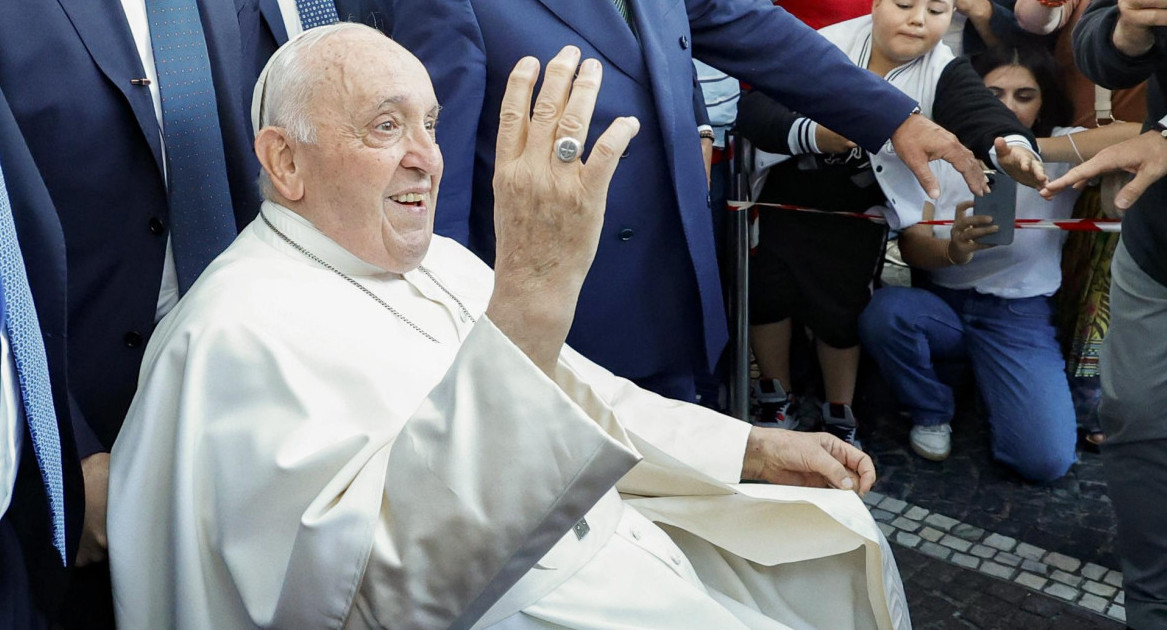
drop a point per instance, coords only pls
(32, 368)
(201, 215)
(315, 13)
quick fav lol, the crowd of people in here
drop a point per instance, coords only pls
(280, 350)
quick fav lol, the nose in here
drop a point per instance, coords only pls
(1010, 102)
(423, 152)
(917, 15)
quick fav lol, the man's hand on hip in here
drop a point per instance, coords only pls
(548, 211)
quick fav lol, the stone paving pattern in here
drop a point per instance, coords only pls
(1032, 556)
(943, 597)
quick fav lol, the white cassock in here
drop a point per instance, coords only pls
(299, 457)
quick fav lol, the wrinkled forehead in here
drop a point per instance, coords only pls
(361, 70)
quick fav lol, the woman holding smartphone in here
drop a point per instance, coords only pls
(991, 306)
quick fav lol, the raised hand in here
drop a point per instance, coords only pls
(548, 212)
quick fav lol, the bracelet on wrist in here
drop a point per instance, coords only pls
(951, 261)
(1053, 4)
(707, 134)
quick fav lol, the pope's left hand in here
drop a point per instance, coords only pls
(817, 460)
(1021, 164)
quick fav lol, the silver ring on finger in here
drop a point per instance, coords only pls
(568, 149)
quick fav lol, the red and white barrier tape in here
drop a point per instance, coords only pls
(1070, 225)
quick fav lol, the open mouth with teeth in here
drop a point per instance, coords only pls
(409, 199)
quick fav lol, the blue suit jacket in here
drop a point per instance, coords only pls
(66, 67)
(43, 247)
(263, 30)
(652, 303)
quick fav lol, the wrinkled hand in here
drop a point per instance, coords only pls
(548, 213)
(1145, 156)
(966, 229)
(831, 142)
(1133, 33)
(918, 141)
(92, 548)
(817, 460)
(1021, 164)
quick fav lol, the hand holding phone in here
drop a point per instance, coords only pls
(1000, 203)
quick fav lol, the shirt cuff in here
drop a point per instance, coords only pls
(801, 138)
(1014, 140)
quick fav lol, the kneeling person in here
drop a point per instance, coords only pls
(349, 422)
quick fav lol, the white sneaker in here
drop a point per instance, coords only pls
(932, 442)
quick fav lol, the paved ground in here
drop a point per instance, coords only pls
(980, 548)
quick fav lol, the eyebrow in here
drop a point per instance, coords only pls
(397, 100)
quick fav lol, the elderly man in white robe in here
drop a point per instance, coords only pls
(351, 423)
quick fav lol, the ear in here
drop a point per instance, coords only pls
(278, 157)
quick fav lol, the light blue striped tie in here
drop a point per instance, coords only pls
(315, 13)
(202, 218)
(32, 368)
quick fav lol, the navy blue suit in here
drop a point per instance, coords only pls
(32, 578)
(652, 303)
(66, 67)
(263, 30)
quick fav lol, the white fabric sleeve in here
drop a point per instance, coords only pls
(801, 138)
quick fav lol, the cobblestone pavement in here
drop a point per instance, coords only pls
(981, 548)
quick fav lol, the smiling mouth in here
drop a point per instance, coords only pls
(409, 199)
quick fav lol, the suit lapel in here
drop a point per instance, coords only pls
(600, 24)
(275, 20)
(102, 26)
(659, 75)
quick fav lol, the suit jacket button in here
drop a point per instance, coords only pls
(684, 42)
(157, 226)
(133, 339)
(625, 234)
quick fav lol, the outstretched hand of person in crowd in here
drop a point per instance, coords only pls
(829, 141)
(547, 211)
(1021, 164)
(1145, 156)
(817, 460)
(918, 141)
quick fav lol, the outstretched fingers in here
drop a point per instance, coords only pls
(551, 102)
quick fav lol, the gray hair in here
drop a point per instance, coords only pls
(284, 89)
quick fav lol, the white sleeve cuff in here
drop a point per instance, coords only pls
(802, 137)
(1014, 140)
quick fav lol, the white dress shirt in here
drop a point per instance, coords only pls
(11, 421)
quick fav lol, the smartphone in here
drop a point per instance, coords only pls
(1001, 204)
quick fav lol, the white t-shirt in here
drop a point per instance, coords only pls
(1032, 265)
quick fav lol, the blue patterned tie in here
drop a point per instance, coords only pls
(201, 215)
(32, 368)
(315, 13)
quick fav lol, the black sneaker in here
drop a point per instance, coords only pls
(840, 422)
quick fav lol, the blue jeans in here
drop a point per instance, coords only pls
(1010, 345)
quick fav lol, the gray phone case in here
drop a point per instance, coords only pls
(1001, 204)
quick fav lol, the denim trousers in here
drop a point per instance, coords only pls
(1010, 346)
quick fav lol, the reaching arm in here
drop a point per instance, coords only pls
(1088, 143)
(1041, 19)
